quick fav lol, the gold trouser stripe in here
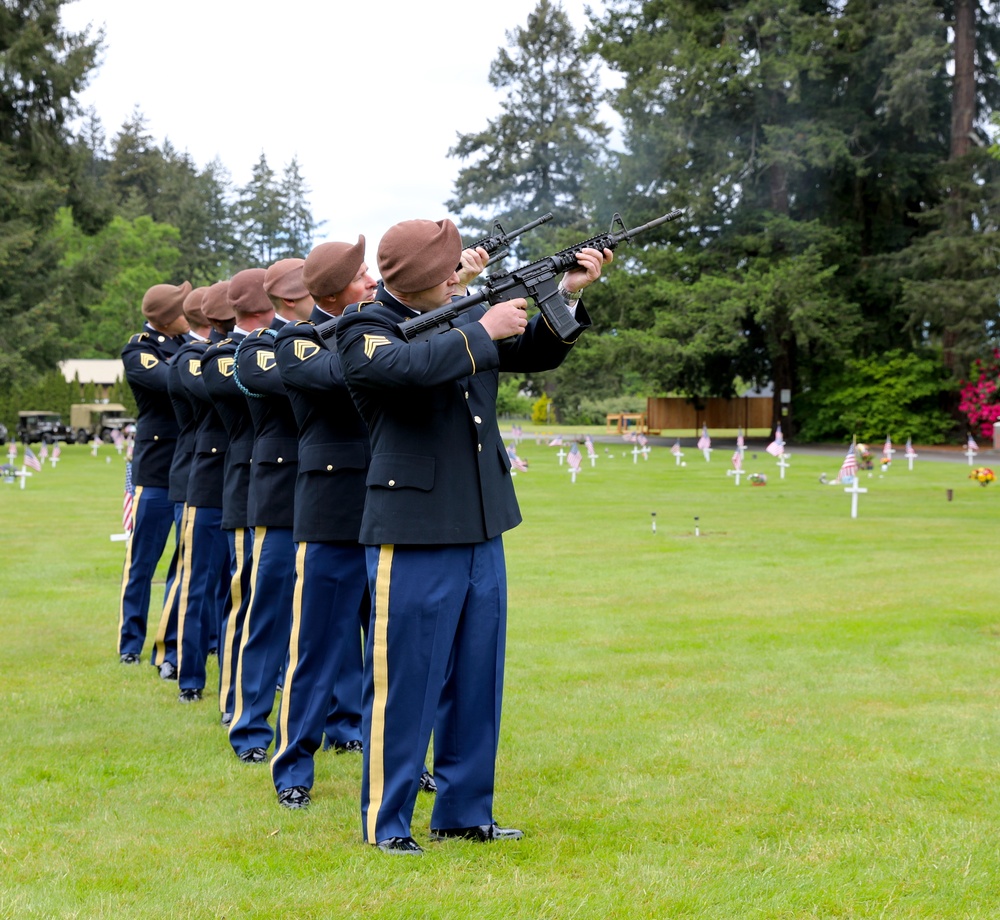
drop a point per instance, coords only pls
(184, 575)
(235, 600)
(258, 542)
(160, 642)
(293, 651)
(127, 566)
(380, 671)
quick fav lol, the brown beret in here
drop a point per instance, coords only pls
(215, 304)
(192, 307)
(330, 267)
(418, 254)
(163, 303)
(246, 292)
(284, 280)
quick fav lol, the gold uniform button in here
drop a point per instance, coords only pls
(480, 446)
(281, 459)
(215, 450)
(478, 420)
(156, 437)
(466, 394)
(329, 467)
(392, 482)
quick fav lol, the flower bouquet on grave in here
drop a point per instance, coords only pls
(757, 479)
(983, 475)
(864, 457)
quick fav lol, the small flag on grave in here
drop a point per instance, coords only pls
(43, 453)
(777, 447)
(56, 451)
(30, 460)
(516, 463)
(849, 468)
(128, 500)
(574, 458)
(557, 441)
(705, 442)
(591, 451)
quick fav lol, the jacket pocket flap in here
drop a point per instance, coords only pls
(402, 471)
(330, 457)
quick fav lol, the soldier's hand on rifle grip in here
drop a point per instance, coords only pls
(472, 265)
(590, 264)
(506, 319)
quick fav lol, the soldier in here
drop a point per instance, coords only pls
(264, 643)
(146, 358)
(330, 605)
(164, 655)
(245, 314)
(439, 498)
(206, 559)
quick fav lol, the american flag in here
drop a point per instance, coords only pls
(737, 459)
(556, 441)
(777, 447)
(574, 457)
(589, 441)
(516, 463)
(643, 440)
(128, 499)
(43, 454)
(887, 448)
(676, 449)
(971, 445)
(517, 431)
(740, 443)
(55, 452)
(849, 468)
(704, 441)
(31, 460)
(910, 452)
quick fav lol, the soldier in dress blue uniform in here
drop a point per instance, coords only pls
(217, 367)
(146, 357)
(164, 655)
(439, 498)
(206, 562)
(322, 686)
(270, 509)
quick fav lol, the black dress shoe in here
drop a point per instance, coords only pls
(427, 783)
(348, 747)
(226, 719)
(484, 833)
(400, 846)
(253, 755)
(129, 658)
(294, 797)
(168, 671)
(190, 696)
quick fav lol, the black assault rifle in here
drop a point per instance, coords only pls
(497, 245)
(536, 281)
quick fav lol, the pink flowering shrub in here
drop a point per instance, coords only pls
(979, 399)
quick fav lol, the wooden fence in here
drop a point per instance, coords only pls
(676, 413)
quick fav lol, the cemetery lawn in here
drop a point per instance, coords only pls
(792, 715)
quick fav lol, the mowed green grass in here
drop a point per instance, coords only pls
(793, 714)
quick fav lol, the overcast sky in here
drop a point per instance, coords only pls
(368, 96)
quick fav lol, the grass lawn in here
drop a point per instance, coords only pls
(792, 715)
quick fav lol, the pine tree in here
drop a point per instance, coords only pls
(536, 156)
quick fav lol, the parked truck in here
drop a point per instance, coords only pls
(34, 425)
(90, 420)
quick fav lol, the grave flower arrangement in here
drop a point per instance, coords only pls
(757, 479)
(983, 475)
(864, 457)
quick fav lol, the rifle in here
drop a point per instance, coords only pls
(498, 245)
(536, 281)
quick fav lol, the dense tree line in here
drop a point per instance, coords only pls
(831, 157)
(87, 224)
